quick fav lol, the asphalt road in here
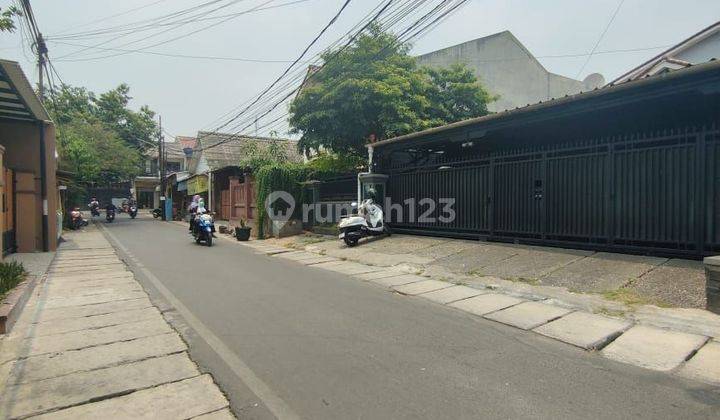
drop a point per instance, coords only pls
(294, 341)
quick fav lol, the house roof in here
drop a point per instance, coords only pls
(569, 103)
(669, 55)
(186, 142)
(17, 97)
(220, 150)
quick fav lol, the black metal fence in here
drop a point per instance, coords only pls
(655, 192)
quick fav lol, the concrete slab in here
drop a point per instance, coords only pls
(381, 274)
(484, 304)
(80, 277)
(653, 348)
(109, 259)
(92, 300)
(398, 280)
(53, 365)
(528, 315)
(92, 322)
(475, 258)
(88, 268)
(421, 287)
(117, 289)
(274, 251)
(39, 397)
(180, 400)
(317, 260)
(584, 330)
(93, 310)
(297, 256)
(602, 272)
(452, 294)
(533, 263)
(91, 286)
(81, 339)
(347, 267)
(678, 283)
(705, 365)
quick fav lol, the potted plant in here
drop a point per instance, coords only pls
(242, 232)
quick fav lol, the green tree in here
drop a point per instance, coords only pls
(100, 139)
(7, 16)
(374, 89)
(135, 127)
(96, 154)
(455, 95)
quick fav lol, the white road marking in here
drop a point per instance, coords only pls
(272, 401)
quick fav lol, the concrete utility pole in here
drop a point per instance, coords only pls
(41, 52)
(161, 165)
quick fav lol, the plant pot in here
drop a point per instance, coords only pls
(242, 233)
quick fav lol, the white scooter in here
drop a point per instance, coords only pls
(368, 222)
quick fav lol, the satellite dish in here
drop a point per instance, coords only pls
(594, 80)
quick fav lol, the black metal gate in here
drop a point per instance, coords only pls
(655, 192)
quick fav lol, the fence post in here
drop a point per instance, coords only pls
(712, 285)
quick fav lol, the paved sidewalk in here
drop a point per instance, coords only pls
(659, 343)
(90, 344)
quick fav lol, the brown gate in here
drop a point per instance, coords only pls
(8, 212)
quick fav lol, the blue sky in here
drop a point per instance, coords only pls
(192, 93)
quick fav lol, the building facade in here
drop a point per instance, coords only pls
(28, 176)
(507, 69)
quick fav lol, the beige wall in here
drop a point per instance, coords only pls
(22, 154)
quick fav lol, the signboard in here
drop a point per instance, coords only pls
(197, 184)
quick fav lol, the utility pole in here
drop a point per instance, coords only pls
(41, 52)
(161, 164)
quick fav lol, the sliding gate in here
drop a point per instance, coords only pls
(657, 192)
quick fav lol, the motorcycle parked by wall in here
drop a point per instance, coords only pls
(132, 211)
(76, 220)
(203, 228)
(368, 222)
(110, 215)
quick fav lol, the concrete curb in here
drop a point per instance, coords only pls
(13, 304)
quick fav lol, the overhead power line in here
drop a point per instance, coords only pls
(439, 12)
(602, 35)
(111, 16)
(302, 54)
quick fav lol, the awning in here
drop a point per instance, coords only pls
(17, 98)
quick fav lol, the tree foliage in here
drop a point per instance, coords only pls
(375, 89)
(100, 138)
(7, 16)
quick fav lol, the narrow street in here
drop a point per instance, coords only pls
(290, 341)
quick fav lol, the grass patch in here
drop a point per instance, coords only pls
(11, 274)
(632, 298)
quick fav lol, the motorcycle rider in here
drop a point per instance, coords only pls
(94, 206)
(192, 209)
(110, 207)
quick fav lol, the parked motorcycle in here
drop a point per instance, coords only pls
(156, 213)
(203, 228)
(368, 222)
(110, 215)
(76, 220)
(132, 211)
